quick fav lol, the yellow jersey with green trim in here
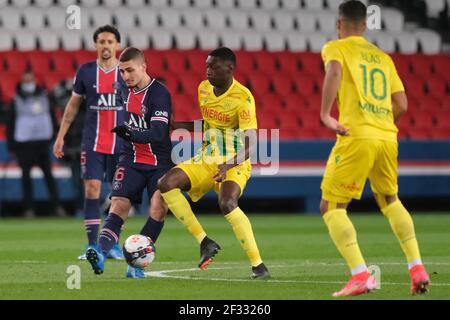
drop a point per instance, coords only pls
(224, 117)
(369, 78)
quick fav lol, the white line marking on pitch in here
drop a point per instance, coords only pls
(165, 274)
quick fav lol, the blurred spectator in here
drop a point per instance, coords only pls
(59, 97)
(30, 129)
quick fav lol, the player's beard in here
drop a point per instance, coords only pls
(106, 54)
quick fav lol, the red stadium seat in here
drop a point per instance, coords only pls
(305, 84)
(307, 133)
(245, 62)
(265, 62)
(170, 80)
(39, 61)
(295, 103)
(288, 133)
(189, 83)
(84, 56)
(267, 119)
(175, 60)
(288, 62)
(427, 103)
(288, 121)
(423, 120)
(441, 65)
(52, 79)
(311, 62)
(15, 61)
(437, 86)
(402, 64)
(63, 63)
(182, 104)
(8, 83)
(240, 77)
(155, 62)
(269, 101)
(282, 83)
(197, 61)
(421, 65)
(419, 134)
(414, 86)
(259, 83)
(310, 119)
(440, 133)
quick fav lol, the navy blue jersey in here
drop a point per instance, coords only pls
(103, 112)
(148, 111)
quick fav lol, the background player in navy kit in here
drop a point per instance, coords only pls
(144, 159)
(96, 83)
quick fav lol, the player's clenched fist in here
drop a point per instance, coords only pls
(123, 131)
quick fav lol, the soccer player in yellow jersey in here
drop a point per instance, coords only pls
(223, 163)
(371, 98)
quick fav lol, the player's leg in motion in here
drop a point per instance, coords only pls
(109, 236)
(403, 227)
(343, 234)
(229, 194)
(91, 211)
(171, 186)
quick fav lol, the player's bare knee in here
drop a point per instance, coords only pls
(228, 204)
(92, 189)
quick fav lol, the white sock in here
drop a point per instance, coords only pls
(414, 263)
(359, 269)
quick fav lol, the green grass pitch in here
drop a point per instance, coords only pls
(35, 255)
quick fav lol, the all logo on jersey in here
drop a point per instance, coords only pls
(137, 121)
(107, 100)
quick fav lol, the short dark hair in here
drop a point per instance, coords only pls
(353, 10)
(107, 28)
(224, 53)
(131, 53)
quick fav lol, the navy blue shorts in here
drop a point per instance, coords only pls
(130, 182)
(98, 166)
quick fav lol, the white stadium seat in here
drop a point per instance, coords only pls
(71, 39)
(326, 21)
(296, 41)
(215, 19)
(113, 3)
(231, 39)
(147, 17)
(385, 41)
(125, 18)
(184, 38)
(87, 37)
(407, 42)
(262, 20)
(136, 3)
(25, 40)
(139, 38)
(203, 4)
(247, 4)
(316, 41)
(6, 40)
(393, 19)
(290, 4)
(3, 3)
(34, 17)
(66, 3)
(430, 41)
(48, 40)
(275, 41)
(208, 39)
(90, 3)
(193, 19)
(159, 3)
(161, 39)
(435, 7)
(306, 20)
(181, 3)
(100, 16)
(21, 3)
(313, 4)
(238, 19)
(56, 17)
(170, 18)
(333, 5)
(284, 21)
(43, 3)
(225, 4)
(11, 18)
(252, 41)
(269, 4)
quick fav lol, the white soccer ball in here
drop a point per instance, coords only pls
(139, 251)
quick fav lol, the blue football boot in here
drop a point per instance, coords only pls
(96, 258)
(136, 273)
(115, 253)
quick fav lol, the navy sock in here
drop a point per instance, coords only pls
(92, 219)
(110, 233)
(152, 228)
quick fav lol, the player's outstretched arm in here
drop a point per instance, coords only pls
(250, 144)
(330, 89)
(399, 104)
(72, 108)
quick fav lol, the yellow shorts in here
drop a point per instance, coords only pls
(201, 174)
(352, 161)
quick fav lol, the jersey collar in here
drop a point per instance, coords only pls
(144, 88)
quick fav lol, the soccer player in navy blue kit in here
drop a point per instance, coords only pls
(144, 159)
(96, 84)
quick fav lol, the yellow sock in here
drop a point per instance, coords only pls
(244, 233)
(181, 209)
(403, 227)
(343, 234)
